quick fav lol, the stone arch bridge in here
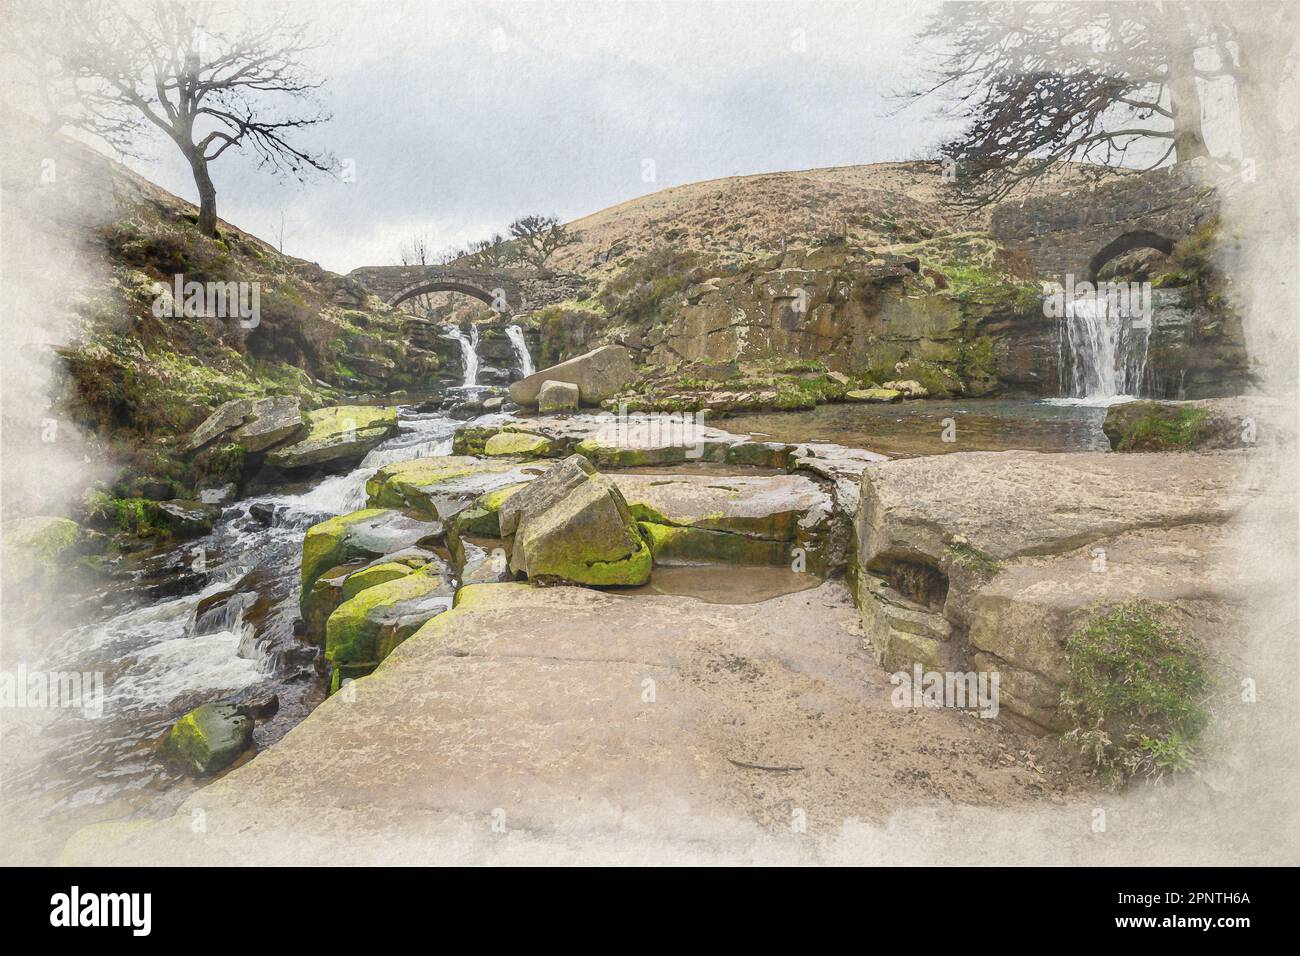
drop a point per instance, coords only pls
(507, 291)
(1078, 232)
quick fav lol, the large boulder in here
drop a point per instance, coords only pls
(599, 374)
(572, 525)
(1182, 426)
(208, 739)
(338, 436)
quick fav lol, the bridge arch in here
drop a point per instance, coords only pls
(1127, 242)
(498, 298)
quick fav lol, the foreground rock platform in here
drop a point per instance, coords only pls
(558, 723)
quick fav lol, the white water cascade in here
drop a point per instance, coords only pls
(1103, 351)
(516, 335)
(468, 353)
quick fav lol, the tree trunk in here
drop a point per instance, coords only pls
(1185, 101)
(207, 196)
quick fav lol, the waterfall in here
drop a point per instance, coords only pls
(516, 335)
(1103, 350)
(468, 353)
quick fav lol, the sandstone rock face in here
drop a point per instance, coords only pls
(991, 560)
(339, 436)
(208, 739)
(555, 397)
(599, 374)
(572, 525)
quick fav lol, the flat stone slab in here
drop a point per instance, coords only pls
(562, 723)
(1015, 503)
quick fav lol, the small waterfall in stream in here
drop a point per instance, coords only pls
(468, 353)
(516, 335)
(1103, 350)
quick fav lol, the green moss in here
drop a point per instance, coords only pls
(971, 558)
(584, 568)
(1162, 430)
(364, 578)
(1137, 693)
(325, 544)
(517, 444)
(673, 543)
(359, 634)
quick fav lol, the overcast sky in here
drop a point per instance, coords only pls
(458, 117)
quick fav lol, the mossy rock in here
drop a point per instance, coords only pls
(337, 434)
(1168, 426)
(362, 631)
(669, 543)
(518, 445)
(208, 739)
(880, 395)
(482, 518)
(325, 594)
(760, 454)
(36, 544)
(438, 488)
(372, 575)
(361, 536)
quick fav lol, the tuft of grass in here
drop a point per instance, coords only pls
(1137, 692)
(971, 558)
(1157, 431)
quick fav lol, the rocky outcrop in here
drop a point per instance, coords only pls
(1182, 426)
(988, 561)
(361, 536)
(599, 374)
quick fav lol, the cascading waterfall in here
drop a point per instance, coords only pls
(516, 335)
(468, 353)
(1103, 350)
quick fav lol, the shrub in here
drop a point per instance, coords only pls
(1137, 692)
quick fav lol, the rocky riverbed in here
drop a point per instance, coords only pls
(738, 680)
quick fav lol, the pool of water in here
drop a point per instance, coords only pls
(910, 429)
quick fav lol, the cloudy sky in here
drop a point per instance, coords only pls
(458, 117)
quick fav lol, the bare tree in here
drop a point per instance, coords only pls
(1042, 83)
(492, 253)
(208, 83)
(539, 237)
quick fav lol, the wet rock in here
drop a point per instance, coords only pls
(263, 514)
(1181, 426)
(187, 519)
(557, 397)
(208, 739)
(218, 494)
(599, 374)
(907, 387)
